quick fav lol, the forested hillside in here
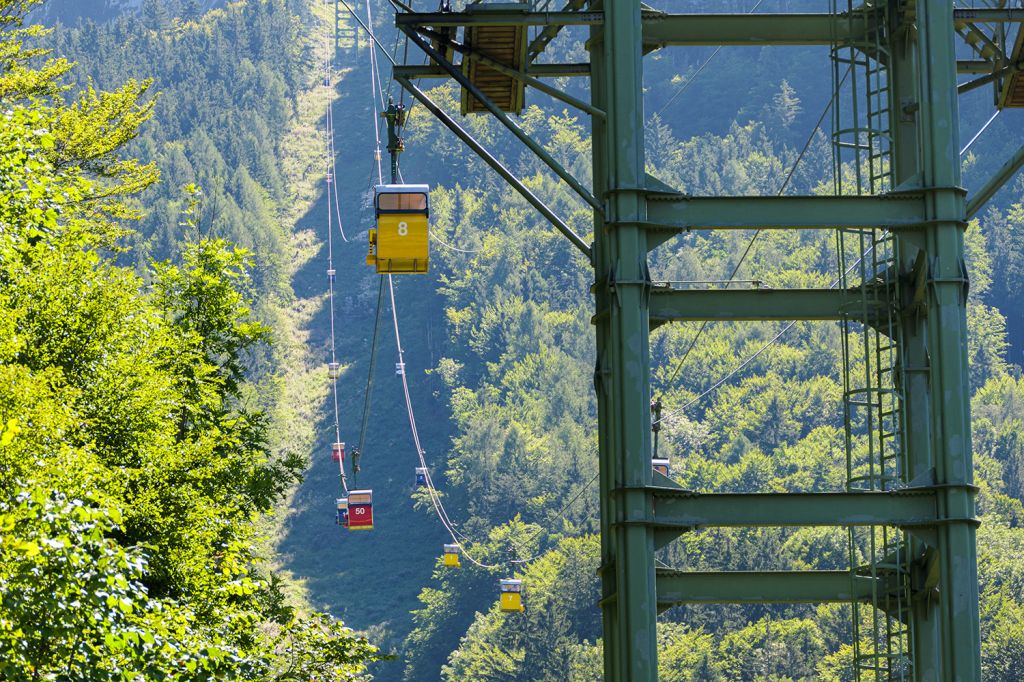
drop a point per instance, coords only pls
(499, 351)
(136, 446)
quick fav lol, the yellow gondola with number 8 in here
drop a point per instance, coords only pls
(400, 243)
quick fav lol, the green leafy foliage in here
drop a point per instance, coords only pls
(131, 468)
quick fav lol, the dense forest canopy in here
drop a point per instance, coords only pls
(164, 329)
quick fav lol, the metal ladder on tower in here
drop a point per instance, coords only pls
(872, 399)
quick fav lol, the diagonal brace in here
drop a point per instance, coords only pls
(995, 183)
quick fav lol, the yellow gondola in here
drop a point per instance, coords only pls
(400, 242)
(451, 556)
(511, 594)
(661, 466)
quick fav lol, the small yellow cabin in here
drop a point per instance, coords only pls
(511, 594)
(451, 556)
(400, 242)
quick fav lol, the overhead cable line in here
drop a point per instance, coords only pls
(328, 83)
(561, 513)
(369, 380)
(449, 246)
(435, 498)
(374, 70)
(978, 134)
(458, 537)
(375, 90)
(334, 171)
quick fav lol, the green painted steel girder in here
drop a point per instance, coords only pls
(664, 30)
(975, 66)
(762, 587)
(683, 305)
(786, 212)
(680, 509)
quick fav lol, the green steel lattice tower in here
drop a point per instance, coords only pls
(916, 505)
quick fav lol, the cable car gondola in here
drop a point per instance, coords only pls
(451, 556)
(360, 510)
(400, 243)
(338, 452)
(333, 370)
(511, 594)
(661, 466)
(421, 477)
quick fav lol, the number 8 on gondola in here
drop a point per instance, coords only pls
(400, 242)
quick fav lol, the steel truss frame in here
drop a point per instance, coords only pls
(642, 511)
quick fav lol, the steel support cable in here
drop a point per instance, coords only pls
(979, 133)
(560, 514)
(334, 381)
(442, 514)
(750, 245)
(394, 50)
(369, 377)
(435, 499)
(373, 98)
(332, 154)
(328, 82)
(458, 537)
(375, 71)
(334, 172)
(449, 246)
